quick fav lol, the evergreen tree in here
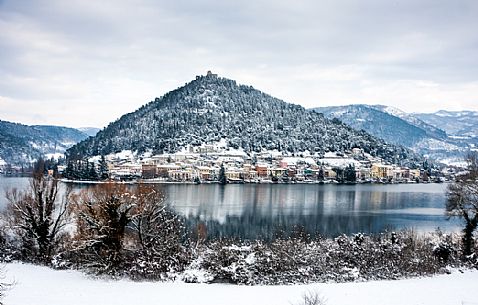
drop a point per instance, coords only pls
(222, 175)
(69, 172)
(350, 174)
(321, 175)
(103, 168)
(92, 174)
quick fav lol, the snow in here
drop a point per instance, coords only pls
(2, 162)
(458, 162)
(55, 156)
(394, 111)
(433, 144)
(342, 162)
(295, 160)
(35, 285)
(122, 155)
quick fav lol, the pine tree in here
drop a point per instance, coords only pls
(321, 175)
(92, 174)
(222, 175)
(103, 168)
(350, 174)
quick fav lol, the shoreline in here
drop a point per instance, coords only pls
(155, 181)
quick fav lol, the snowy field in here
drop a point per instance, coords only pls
(43, 286)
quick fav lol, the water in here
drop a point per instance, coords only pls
(268, 210)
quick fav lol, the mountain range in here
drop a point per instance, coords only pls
(455, 123)
(22, 144)
(437, 135)
(213, 109)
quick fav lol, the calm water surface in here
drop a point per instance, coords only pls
(268, 210)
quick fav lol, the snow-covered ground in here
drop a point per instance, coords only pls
(43, 286)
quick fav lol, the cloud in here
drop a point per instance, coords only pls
(101, 59)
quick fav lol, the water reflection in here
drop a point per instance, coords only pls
(269, 210)
(248, 211)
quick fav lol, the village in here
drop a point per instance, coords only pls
(207, 163)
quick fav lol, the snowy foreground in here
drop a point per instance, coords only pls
(43, 286)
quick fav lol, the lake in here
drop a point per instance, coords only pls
(270, 210)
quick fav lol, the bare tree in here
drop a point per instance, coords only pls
(119, 226)
(102, 215)
(462, 201)
(38, 214)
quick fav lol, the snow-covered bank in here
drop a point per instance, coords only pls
(37, 285)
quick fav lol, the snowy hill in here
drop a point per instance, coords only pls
(398, 127)
(21, 144)
(211, 109)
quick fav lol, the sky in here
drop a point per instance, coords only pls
(84, 63)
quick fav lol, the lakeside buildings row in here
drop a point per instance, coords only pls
(203, 164)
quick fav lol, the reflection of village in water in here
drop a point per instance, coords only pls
(267, 211)
(273, 210)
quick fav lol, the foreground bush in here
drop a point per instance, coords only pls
(345, 258)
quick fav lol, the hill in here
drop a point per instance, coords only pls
(212, 109)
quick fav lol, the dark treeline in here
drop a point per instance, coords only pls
(86, 170)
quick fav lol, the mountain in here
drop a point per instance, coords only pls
(377, 122)
(431, 129)
(398, 127)
(90, 131)
(455, 123)
(211, 109)
(20, 144)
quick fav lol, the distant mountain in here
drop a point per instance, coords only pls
(455, 123)
(20, 144)
(210, 109)
(432, 130)
(91, 131)
(376, 122)
(398, 127)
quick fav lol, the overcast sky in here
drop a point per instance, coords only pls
(86, 63)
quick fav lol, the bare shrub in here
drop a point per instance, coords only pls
(160, 233)
(4, 287)
(312, 298)
(359, 257)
